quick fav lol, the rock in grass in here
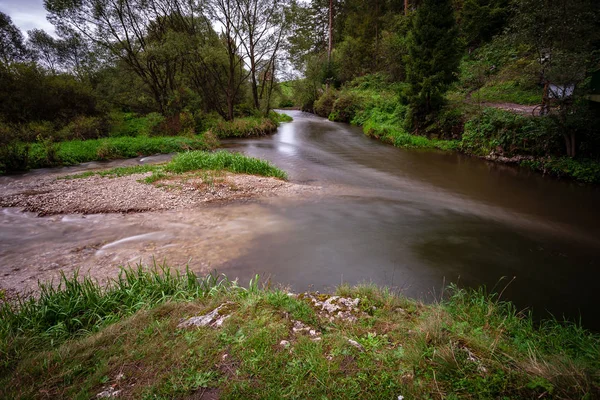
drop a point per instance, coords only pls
(215, 318)
(108, 393)
(356, 344)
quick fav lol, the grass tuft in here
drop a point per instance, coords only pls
(192, 161)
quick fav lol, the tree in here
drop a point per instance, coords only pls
(562, 34)
(480, 20)
(260, 33)
(433, 58)
(227, 14)
(12, 46)
(122, 28)
(46, 49)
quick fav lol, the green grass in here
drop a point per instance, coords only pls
(79, 151)
(244, 127)
(193, 161)
(77, 339)
(508, 92)
(395, 135)
(582, 170)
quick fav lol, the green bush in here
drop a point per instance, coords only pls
(244, 127)
(506, 133)
(188, 124)
(14, 156)
(83, 128)
(345, 107)
(130, 124)
(324, 105)
(35, 130)
(585, 170)
(79, 151)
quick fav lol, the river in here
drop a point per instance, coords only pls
(411, 220)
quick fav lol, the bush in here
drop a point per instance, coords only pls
(506, 133)
(188, 124)
(345, 107)
(129, 124)
(324, 105)
(244, 127)
(14, 157)
(449, 123)
(587, 171)
(83, 128)
(36, 130)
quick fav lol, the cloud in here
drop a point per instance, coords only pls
(27, 14)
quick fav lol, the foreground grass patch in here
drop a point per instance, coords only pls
(80, 339)
(192, 161)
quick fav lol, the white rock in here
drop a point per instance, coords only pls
(108, 393)
(213, 318)
(284, 343)
(356, 344)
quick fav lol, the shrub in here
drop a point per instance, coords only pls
(50, 149)
(188, 124)
(84, 128)
(244, 127)
(506, 133)
(587, 171)
(129, 124)
(324, 105)
(345, 107)
(107, 150)
(14, 153)
(449, 122)
(14, 156)
(35, 130)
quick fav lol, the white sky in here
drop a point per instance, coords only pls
(27, 14)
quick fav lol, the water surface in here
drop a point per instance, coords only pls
(417, 220)
(411, 220)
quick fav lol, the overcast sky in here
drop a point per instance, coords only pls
(27, 14)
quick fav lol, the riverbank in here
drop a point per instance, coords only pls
(188, 180)
(154, 333)
(494, 132)
(45, 153)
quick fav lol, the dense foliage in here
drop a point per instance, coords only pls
(436, 68)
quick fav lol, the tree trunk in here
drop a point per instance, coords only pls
(405, 7)
(570, 144)
(545, 110)
(330, 48)
(254, 84)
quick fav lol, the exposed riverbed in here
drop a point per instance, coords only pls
(409, 219)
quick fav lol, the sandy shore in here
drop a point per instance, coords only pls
(102, 195)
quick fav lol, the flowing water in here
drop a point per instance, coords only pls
(411, 220)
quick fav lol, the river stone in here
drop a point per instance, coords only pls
(214, 319)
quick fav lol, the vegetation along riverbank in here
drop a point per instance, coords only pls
(155, 333)
(508, 81)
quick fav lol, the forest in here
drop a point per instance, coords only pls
(507, 80)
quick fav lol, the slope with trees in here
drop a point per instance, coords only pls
(479, 76)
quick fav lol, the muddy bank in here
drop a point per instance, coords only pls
(100, 195)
